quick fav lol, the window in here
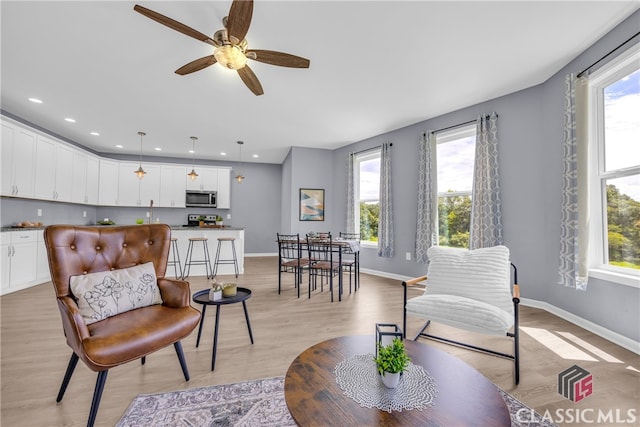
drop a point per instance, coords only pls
(614, 138)
(367, 179)
(455, 154)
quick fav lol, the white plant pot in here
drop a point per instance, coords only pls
(215, 295)
(391, 380)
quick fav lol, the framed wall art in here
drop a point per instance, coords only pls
(311, 204)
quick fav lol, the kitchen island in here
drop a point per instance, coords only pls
(183, 233)
(25, 263)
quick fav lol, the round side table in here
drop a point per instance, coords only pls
(202, 297)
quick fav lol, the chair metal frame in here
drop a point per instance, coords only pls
(515, 356)
(321, 263)
(352, 262)
(290, 259)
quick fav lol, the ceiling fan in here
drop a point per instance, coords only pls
(230, 45)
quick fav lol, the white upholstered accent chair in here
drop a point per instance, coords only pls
(470, 290)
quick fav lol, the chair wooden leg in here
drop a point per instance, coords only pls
(183, 362)
(97, 395)
(67, 376)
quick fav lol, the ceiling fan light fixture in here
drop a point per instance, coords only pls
(230, 56)
(140, 173)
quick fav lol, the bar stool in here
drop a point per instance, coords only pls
(233, 261)
(189, 261)
(175, 258)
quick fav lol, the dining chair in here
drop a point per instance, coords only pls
(290, 259)
(324, 262)
(351, 257)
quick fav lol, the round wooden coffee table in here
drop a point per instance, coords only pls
(464, 396)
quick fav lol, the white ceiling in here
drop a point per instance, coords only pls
(376, 66)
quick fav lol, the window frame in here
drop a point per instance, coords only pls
(357, 159)
(455, 134)
(599, 266)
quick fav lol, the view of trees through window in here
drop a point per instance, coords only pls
(367, 177)
(620, 169)
(455, 158)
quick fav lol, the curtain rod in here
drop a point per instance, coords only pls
(371, 149)
(605, 56)
(458, 125)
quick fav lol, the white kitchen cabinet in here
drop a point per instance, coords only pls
(133, 191)
(108, 183)
(207, 179)
(173, 184)
(53, 170)
(19, 255)
(18, 160)
(84, 185)
(93, 173)
(43, 274)
(224, 188)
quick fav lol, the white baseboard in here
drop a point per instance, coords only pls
(605, 333)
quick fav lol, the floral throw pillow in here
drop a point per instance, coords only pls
(107, 293)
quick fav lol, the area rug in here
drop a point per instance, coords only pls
(251, 403)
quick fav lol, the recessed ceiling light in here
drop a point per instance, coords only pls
(70, 120)
(191, 152)
(222, 153)
(255, 156)
(158, 149)
(95, 133)
(35, 100)
(119, 146)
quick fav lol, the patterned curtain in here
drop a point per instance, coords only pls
(574, 223)
(350, 220)
(486, 206)
(385, 220)
(427, 198)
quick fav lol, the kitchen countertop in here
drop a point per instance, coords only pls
(173, 227)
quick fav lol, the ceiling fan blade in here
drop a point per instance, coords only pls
(278, 58)
(196, 65)
(239, 18)
(173, 24)
(250, 79)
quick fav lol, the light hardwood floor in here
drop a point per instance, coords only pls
(35, 355)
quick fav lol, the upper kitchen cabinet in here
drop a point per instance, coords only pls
(18, 160)
(173, 185)
(84, 186)
(224, 188)
(134, 191)
(207, 179)
(108, 183)
(53, 170)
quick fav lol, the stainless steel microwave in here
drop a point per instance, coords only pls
(201, 199)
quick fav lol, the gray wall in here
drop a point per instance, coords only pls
(530, 155)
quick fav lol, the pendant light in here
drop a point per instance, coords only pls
(140, 173)
(239, 177)
(193, 175)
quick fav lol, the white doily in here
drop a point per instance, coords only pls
(358, 378)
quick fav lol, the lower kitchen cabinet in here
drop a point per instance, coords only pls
(19, 260)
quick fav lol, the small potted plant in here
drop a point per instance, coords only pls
(218, 220)
(391, 361)
(215, 293)
(201, 219)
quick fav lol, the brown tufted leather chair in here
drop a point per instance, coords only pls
(76, 250)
